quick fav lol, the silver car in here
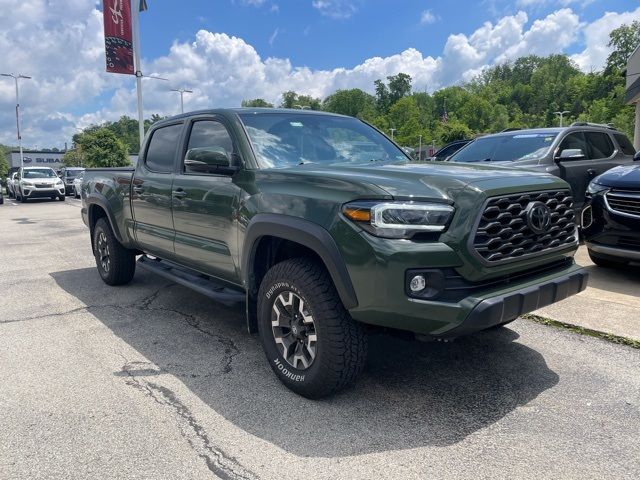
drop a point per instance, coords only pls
(77, 184)
(38, 182)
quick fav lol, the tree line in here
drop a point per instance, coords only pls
(524, 93)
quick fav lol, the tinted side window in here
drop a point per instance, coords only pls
(574, 140)
(625, 145)
(162, 148)
(209, 133)
(600, 144)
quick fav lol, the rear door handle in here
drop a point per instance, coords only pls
(179, 193)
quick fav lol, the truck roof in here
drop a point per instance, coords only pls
(248, 110)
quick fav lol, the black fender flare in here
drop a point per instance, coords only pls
(102, 202)
(306, 233)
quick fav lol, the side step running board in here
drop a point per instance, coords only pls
(194, 280)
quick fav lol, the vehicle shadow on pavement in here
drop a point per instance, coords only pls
(411, 394)
(624, 280)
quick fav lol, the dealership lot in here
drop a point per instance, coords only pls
(153, 380)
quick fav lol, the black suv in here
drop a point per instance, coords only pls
(577, 153)
(611, 217)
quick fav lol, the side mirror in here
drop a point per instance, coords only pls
(571, 154)
(636, 157)
(208, 160)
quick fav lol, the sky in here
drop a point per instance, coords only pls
(230, 50)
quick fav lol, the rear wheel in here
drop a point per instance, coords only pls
(605, 261)
(312, 344)
(116, 264)
(62, 198)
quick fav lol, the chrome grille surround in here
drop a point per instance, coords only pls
(502, 233)
(624, 202)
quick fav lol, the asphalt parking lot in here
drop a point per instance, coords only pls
(152, 380)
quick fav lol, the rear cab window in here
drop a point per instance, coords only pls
(161, 153)
(600, 145)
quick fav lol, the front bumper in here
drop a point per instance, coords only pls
(34, 192)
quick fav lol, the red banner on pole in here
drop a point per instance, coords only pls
(117, 36)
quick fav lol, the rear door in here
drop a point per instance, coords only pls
(151, 191)
(205, 206)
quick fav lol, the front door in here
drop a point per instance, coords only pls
(205, 208)
(576, 170)
(151, 192)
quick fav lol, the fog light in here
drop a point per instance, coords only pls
(417, 283)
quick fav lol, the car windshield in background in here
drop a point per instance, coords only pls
(39, 173)
(72, 173)
(286, 139)
(506, 148)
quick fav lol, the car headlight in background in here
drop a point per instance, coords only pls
(399, 219)
(26, 183)
(595, 188)
(60, 183)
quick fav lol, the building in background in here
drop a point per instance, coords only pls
(44, 159)
(632, 94)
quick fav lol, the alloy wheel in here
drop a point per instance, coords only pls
(104, 256)
(294, 330)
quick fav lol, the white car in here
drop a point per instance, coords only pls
(38, 182)
(77, 184)
(11, 180)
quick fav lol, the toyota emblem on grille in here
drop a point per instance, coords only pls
(538, 217)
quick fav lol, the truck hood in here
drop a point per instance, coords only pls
(426, 180)
(627, 176)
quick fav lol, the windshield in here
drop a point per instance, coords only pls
(506, 148)
(72, 173)
(286, 139)
(39, 173)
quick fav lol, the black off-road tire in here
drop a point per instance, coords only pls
(605, 261)
(62, 198)
(121, 264)
(341, 345)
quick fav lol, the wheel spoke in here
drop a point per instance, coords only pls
(294, 330)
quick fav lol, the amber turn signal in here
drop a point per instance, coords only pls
(357, 214)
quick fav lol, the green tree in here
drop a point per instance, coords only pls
(74, 158)
(4, 166)
(257, 102)
(353, 102)
(397, 86)
(102, 148)
(624, 40)
(291, 99)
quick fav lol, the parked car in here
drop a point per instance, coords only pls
(611, 218)
(68, 175)
(77, 184)
(576, 154)
(322, 241)
(1, 198)
(11, 181)
(38, 182)
(448, 150)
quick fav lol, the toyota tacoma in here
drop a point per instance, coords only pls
(325, 230)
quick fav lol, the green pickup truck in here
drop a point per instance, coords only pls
(326, 230)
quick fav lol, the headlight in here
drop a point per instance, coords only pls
(26, 183)
(399, 219)
(595, 188)
(60, 182)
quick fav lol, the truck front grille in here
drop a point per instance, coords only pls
(621, 201)
(504, 232)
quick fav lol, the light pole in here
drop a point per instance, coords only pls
(137, 6)
(561, 115)
(15, 78)
(420, 149)
(182, 91)
(392, 130)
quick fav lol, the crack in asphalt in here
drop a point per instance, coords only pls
(218, 462)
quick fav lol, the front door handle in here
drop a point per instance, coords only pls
(179, 193)
(138, 189)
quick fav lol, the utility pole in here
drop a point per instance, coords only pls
(15, 78)
(561, 115)
(392, 130)
(135, 13)
(182, 91)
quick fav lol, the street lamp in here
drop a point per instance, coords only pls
(15, 78)
(392, 130)
(302, 107)
(420, 149)
(182, 91)
(561, 115)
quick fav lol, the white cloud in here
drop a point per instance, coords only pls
(70, 87)
(596, 37)
(335, 8)
(428, 17)
(273, 36)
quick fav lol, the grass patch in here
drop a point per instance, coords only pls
(584, 331)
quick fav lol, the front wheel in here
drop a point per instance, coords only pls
(116, 264)
(62, 198)
(312, 344)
